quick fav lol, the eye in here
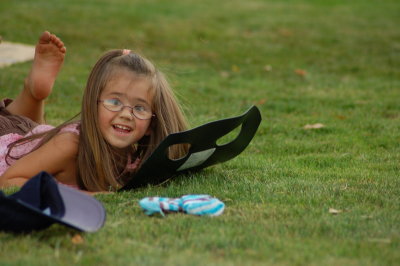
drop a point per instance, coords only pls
(140, 108)
(113, 102)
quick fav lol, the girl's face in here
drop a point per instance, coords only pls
(121, 129)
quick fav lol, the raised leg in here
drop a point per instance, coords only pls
(49, 57)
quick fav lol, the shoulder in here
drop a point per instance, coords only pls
(73, 128)
(66, 142)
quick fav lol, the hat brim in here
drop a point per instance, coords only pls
(82, 212)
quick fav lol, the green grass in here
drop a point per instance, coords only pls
(279, 190)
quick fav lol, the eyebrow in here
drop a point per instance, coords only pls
(124, 96)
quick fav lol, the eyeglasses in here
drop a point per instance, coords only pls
(140, 111)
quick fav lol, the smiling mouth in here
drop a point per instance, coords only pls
(122, 129)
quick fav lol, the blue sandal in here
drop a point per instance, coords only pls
(190, 204)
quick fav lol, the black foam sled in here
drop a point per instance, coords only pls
(204, 150)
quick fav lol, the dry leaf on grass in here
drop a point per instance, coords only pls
(224, 74)
(260, 102)
(341, 117)
(334, 211)
(77, 239)
(380, 240)
(268, 68)
(235, 69)
(301, 72)
(367, 217)
(285, 32)
(314, 126)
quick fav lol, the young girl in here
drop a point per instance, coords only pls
(128, 108)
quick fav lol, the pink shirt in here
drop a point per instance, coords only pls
(25, 148)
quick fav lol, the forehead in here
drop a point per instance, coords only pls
(126, 83)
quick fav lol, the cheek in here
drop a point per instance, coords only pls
(102, 117)
(145, 127)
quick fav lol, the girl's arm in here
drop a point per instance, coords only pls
(57, 157)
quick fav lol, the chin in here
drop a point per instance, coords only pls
(121, 147)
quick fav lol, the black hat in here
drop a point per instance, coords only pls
(42, 201)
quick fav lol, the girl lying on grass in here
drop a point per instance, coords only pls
(128, 108)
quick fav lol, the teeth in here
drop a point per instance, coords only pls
(122, 127)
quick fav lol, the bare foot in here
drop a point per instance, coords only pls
(49, 57)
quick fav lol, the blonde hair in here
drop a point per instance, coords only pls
(101, 167)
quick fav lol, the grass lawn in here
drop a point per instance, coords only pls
(301, 62)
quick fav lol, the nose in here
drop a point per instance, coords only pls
(126, 113)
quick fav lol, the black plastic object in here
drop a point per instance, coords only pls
(204, 150)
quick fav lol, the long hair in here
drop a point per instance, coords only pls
(100, 166)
